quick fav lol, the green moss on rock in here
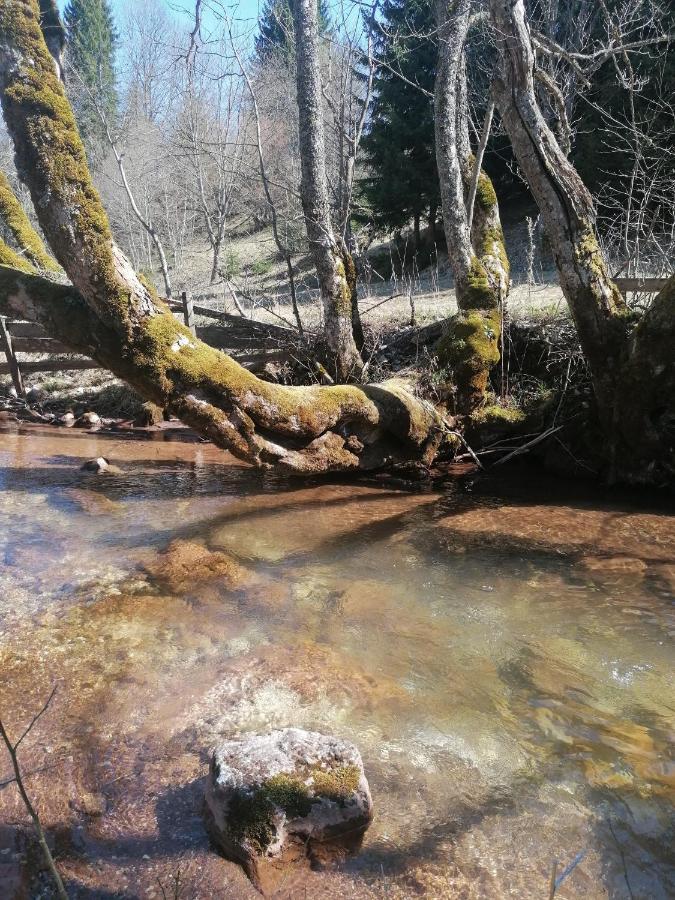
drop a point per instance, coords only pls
(336, 784)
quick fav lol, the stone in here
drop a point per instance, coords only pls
(277, 799)
(89, 420)
(67, 419)
(98, 465)
(185, 563)
(35, 395)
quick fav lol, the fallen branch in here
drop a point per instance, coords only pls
(42, 840)
(528, 446)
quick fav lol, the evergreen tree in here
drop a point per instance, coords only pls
(275, 36)
(92, 40)
(399, 146)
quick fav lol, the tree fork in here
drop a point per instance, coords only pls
(110, 315)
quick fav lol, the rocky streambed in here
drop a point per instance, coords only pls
(499, 653)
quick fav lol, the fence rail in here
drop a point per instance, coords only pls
(253, 343)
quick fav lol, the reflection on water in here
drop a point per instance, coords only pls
(503, 662)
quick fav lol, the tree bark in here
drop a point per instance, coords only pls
(330, 258)
(565, 204)
(631, 365)
(110, 315)
(477, 257)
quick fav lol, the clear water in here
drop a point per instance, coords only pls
(501, 655)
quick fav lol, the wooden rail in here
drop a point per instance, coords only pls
(251, 342)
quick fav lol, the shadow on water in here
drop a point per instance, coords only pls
(487, 614)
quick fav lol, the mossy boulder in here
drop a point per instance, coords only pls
(277, 799)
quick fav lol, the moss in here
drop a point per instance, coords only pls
(336, 784)
(486, 196)
(479, 293)
(589, 255)
(16, 220)
(252, 812)
(494, 414)
(470, 349)
(53, 159)
(9, 257)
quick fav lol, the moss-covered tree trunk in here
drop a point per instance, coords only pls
(331, 260)
(564, 202)
(631, 366)
(470, 347)
(110, 315)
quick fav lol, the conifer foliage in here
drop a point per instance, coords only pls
(92, 40)
(275, 35)
(402, 184)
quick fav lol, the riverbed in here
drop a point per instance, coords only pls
(499, 649)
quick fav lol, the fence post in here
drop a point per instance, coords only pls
(188, 312)
(6, 341)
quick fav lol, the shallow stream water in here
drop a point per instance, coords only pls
(500, 652)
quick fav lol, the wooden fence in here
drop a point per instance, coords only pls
(252, 343)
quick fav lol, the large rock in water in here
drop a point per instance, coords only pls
(274, 799)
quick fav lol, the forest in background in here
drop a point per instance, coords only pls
(336, 130)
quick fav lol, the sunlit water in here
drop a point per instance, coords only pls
(503, 662)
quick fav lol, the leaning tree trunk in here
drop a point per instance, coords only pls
(470, 347)
(631, 367)
(565, 204)
(110, 315)
(333, 262)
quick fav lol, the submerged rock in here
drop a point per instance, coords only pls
(98, 465)
(186, 562)
(276, 799)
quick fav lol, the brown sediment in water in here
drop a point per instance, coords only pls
(508, 701)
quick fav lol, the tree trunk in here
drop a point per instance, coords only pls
(470, 348)
(631, 367)
(110, 315)
(566, 206)
(329, 258)
(417, 234)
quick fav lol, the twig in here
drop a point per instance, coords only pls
(386, 300)
(525, 447)
(42, 840)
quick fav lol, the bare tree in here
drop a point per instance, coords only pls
(474, 238)
(335, 267)
(631, 365)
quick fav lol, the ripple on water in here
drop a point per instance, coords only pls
(503, 666)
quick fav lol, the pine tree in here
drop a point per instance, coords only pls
(275, 36)
(92, 40)
(399, 146)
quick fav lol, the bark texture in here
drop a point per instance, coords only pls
(470, 347)
(332, 261)
(631, 364)
(110, 315)
(565, 204)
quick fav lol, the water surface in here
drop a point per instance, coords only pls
(500, 653)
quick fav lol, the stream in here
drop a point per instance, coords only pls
(499, 650)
